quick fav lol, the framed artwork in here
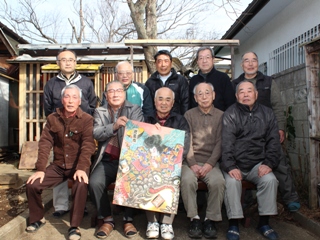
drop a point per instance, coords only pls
(149, 168)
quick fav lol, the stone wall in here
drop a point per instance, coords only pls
(292, 84)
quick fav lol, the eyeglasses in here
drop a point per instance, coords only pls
(128, 73)
(64, 60)
(113, 91)
(207, 58)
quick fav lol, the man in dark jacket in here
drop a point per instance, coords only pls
(67, 61)
(166, 76)
(269, 95)
(220, 81)
(164, 116)
(69, 132)
(250, 151)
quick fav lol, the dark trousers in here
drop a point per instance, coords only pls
(53, 176)
(102, 176)
(286, 185)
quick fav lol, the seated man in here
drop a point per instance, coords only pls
(163, 116)
(202, 162)
(250, 151)
(109, 123)
(69, 132)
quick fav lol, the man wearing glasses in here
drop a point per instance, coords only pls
(66, 60)
(166, 76)
(207, 73)
(108, 130)
(136, 93)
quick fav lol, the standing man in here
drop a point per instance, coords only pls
(108, 130)
(67, 61)
(224, 93)
(250, 151)
(164, 101)
(202, 162)
(136, 93)
(69, 132)
(166, 76)
(269, 95)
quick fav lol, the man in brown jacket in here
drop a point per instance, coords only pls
(69, 131)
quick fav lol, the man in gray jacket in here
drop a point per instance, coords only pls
(108, 130)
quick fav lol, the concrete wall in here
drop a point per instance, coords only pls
(292, 84)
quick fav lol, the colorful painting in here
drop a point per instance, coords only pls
(149, 168)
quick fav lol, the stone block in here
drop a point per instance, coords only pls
(288, 97)
(300, 111)
(302, 129)
(9, 178)
(300, 77)
(301, 94)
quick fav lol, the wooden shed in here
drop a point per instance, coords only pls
(37, 64)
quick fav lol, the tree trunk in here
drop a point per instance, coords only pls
(140, 11)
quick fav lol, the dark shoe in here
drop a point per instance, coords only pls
(268, 232)
(233, 233)
(194, 230)
(209, 229)
(85, 213)
(59, 213)
(294, 206)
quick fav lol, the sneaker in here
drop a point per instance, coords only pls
(152, 230)
(194, 230)
(167, 231)
(209, 229)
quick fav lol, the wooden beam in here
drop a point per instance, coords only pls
(181, 43)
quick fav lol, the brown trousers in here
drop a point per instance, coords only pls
(53, 176)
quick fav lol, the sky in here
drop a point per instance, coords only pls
(216, 19)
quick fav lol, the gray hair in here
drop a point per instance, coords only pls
(71, 86)
(194, 89)
(244, 81)
(156, 93)
(247, 53)
(122, 62)
(204, 48)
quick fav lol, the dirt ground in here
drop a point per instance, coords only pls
(14, 201)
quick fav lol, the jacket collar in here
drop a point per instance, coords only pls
(246, 108)
(259, 76)
(78, 114)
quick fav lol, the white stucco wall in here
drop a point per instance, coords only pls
(4, 111)
(296, 18)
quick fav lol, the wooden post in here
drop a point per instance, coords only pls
(232, 62)
(312, 72)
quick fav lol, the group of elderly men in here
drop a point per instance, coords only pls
(231, 135)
